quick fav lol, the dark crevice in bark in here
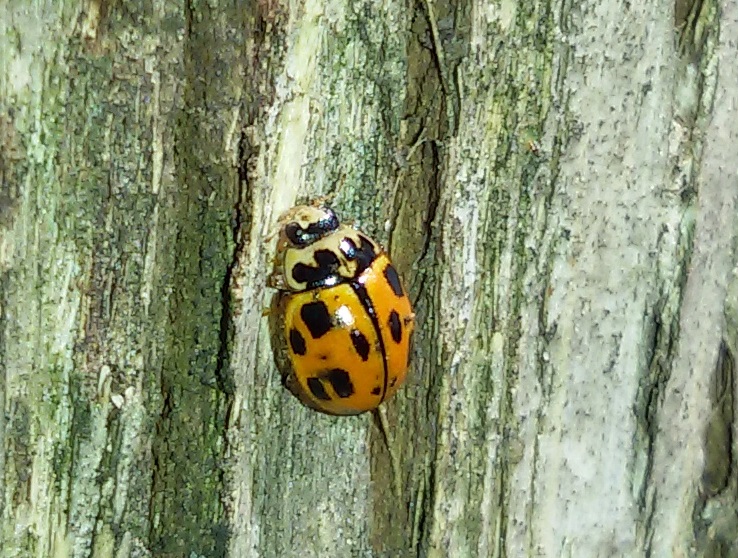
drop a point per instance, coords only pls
(429, 504)
(719, 434)
(697, 27)
(659, 347)
(420, 521)
(714, 517)
(240, 225)
(661, 334)
(415, 205)
(440, 32)
(159, 468)
(695, 24)
(429, 236)
(264, 26)
(688, 18)
(189, 477)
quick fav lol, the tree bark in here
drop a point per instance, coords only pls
(556, 183)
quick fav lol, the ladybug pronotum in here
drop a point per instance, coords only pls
(341, 319)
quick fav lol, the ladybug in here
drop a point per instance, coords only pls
(341, 320)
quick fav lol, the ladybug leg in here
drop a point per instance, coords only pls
(323, 201)
(282, 220)
(380, 416)
(276, 281)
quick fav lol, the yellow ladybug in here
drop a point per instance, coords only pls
(341, 320)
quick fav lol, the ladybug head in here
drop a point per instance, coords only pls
(306, 224)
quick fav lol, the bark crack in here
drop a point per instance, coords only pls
(715, 518)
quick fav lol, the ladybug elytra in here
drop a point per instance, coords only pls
(342, 321)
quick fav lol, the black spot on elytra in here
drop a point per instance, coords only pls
(395, 326)
(364, 255)
(377, 390)
(361, 344)
(316, 318)
(326, 266)
(316, 388)
(304, 236)
(340, 381)
(393, 381)
(297, 342)
(393, 279)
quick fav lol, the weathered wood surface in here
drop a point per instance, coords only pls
(557, 183)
